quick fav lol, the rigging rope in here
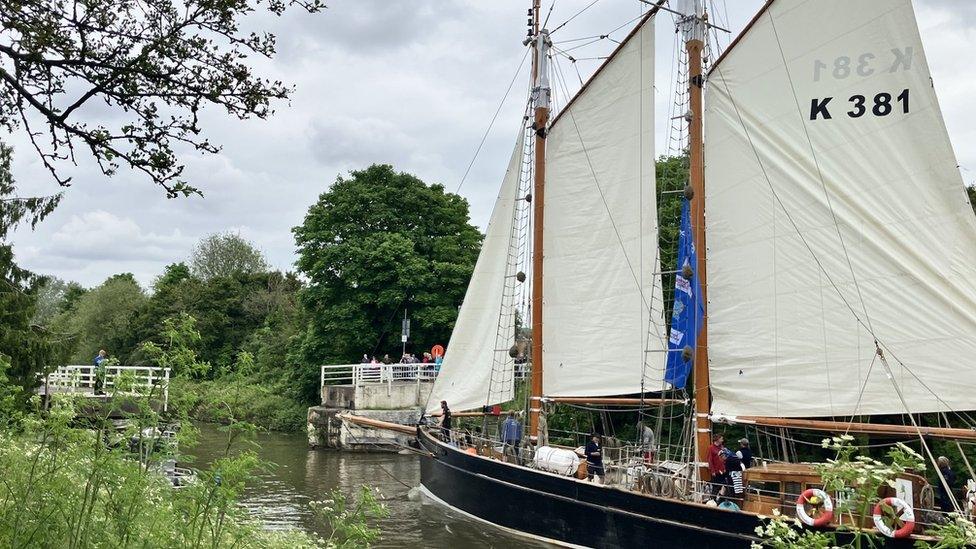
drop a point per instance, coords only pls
(494, 117)
(391, 443)
(549, 14)
(575, 15)
(925, 446)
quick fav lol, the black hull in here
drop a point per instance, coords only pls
(570, 512)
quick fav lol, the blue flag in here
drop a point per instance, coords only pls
(686, 317)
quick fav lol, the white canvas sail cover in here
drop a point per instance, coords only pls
(602, 292)
(477, 370)
(836, 215)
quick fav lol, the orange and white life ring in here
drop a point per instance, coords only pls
(903, 511)
(817, 498)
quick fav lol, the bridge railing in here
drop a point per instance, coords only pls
(83, 378)
(367, 374)
(364, 374)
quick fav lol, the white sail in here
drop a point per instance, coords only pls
(602, 292)
(836, 216)
(477, 370)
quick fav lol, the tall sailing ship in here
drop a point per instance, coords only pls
(833, 279)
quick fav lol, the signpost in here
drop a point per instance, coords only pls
(405, 332)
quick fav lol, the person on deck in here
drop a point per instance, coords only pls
(365, 360)
(716, 465)
(745, 453)
(387, 359)
(594, 459)
(445, 421)
(512, 437)
(735, 486)
(648, 443)
(542, 438)
(945, 499)
(101, 357)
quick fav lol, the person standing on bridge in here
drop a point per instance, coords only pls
(101, 357)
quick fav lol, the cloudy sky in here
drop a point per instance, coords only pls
(413, 83)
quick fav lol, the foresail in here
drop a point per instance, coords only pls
(477, 368)
(837, 217)
(603, 302)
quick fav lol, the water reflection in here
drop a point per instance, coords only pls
(281, 496)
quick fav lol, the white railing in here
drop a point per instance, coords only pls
(83, 379)
(366, 374)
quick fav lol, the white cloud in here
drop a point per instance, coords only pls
(99, 243)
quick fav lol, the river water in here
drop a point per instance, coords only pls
(280, 497)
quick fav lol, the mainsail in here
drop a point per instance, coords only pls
(477, 369)
(838, 223)
(602, 300)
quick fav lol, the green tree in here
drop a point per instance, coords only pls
(226, 255)
(156, 64)
(378, 242)
(102, 318)
(277, 304)
(25, 348)
(54, 297)
(229, 311)
(174, 274)
(971, 191)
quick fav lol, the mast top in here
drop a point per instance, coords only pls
(541, 92)
(693, 24)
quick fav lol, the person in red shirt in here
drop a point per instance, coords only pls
(716, 465)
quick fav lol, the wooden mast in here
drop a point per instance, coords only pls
(541, 120)
(694, 29)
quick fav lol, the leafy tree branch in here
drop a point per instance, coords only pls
(155, 62)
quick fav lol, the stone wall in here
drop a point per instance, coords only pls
(327, 430)
(397, 402)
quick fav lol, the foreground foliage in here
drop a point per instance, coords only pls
(65, 486)
(350, 518)
(70, 477)
(859, 477)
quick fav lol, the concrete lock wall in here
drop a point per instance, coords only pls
(392, 396)
(327, 430)
(377, 396)
(397, 402)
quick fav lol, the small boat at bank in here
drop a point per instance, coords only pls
(833, 279)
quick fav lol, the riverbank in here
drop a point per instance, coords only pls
(253, 401)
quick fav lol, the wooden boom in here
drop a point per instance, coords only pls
(844, 427)
(379, 424)
(613, 401)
